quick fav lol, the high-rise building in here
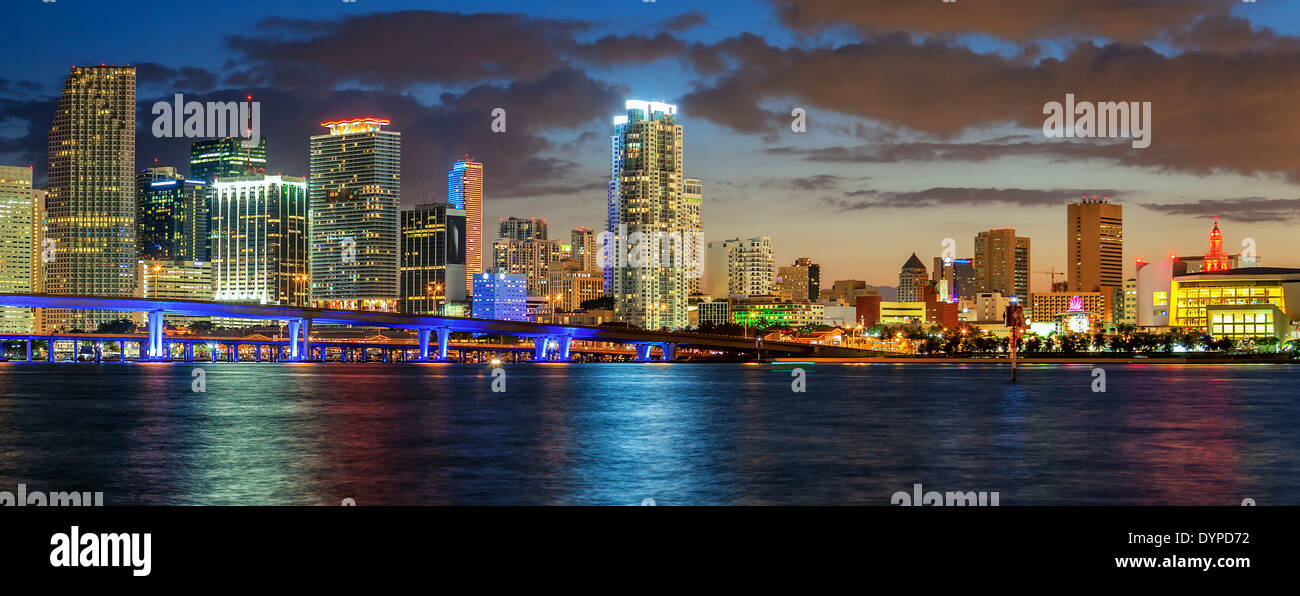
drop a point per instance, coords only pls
(744, 265)
(912, 280)
(568, 285)
(500, 296)
(519, 228)
(175, 280)
(465, 191)
(1130, 301)
(39, 230)
(585, 249)
(648, 207)
(530, 258)
(90, 203)
(17, 205)
(1002, 264)
(1095, 246)
(433, 257)
(693, 229)
(226, 157)
(259, 240)
(171, 218)
(799, 282)
(354, 194)
(954, 279)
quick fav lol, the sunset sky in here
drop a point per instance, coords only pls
(924, 117)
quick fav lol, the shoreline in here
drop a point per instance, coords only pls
(1023, 361)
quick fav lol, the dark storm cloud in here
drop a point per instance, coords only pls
(1211, 112)
(1017, 20)
(941, 197)
(612, 49)
(1247, 209)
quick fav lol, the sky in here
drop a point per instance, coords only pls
(924, 118)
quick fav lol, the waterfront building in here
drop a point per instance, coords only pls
(800, 281)
(912, 279)
(647, 197)
(259, 240)
(17, 268)
(501, 296)
(174, 280)
(713, 310)
(1002, 263)
(1130, 302)
(171, 219)
(433, 257)
(1237, 303)
(1078, 312)
(465, 192)
(354, 193)
(568, 285)
(740, 267)
(1095, 247)
(532, 259)
(90, 203)
(763, 311)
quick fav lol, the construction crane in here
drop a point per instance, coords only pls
(1053, 273)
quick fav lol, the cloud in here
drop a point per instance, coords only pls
(939, 197)
(1017, 20)
(686, 21)
(1247, 209)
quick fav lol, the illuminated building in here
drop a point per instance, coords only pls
(572, 285)
(1095, 246)
(354, 194)
(226, 157)
(1246, 302)
(1002, 263)
(648, 197)
(171, 218)
(740, 267)
(500, 296)
(692, 198)
(465, 191)
(90, 203)
(954, 279)
(175, 280)
(800, 281)
(1216, 259)
(17, 208)
(902, 313)
(1079, 312)
(532, 259)
(762, 313)
(259, 240)
(1130, 301)
(516, 228)
(433, 257)
(585, 249)
(912, 280)
(713, 310)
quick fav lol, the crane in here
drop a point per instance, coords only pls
(1053, 273)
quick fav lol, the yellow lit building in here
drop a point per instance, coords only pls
(1248, 302)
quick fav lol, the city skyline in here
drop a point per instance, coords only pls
(935, 170)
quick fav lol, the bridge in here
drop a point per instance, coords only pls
(300, 320)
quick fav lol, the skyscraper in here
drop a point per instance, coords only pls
(583, 240)
(912, 281)
(954, 279)
(648, 212)
(91, 195)
(465, 191)
(259, 240)
(520, 228)
(1095, 245)
(354, 193)
(692, 230)
(17, 203)
(1002, 263)
(532, 259)
(171, 218)
(433, 257)
(226, 157)
(740, 267)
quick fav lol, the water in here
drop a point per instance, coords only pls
(681, 434)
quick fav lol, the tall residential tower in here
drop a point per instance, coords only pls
(465, 192)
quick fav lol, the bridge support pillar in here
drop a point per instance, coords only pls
(539, 348)
(670, 351)
(444, 342)
(424, 334)
(565, 344)
(29, 350)
(643, 352)
(300, 339)
(76, 350)
(156, 351)
(189, 352)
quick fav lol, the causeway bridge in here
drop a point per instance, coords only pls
(551, 342)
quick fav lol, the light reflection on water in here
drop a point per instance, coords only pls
(620, 433)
